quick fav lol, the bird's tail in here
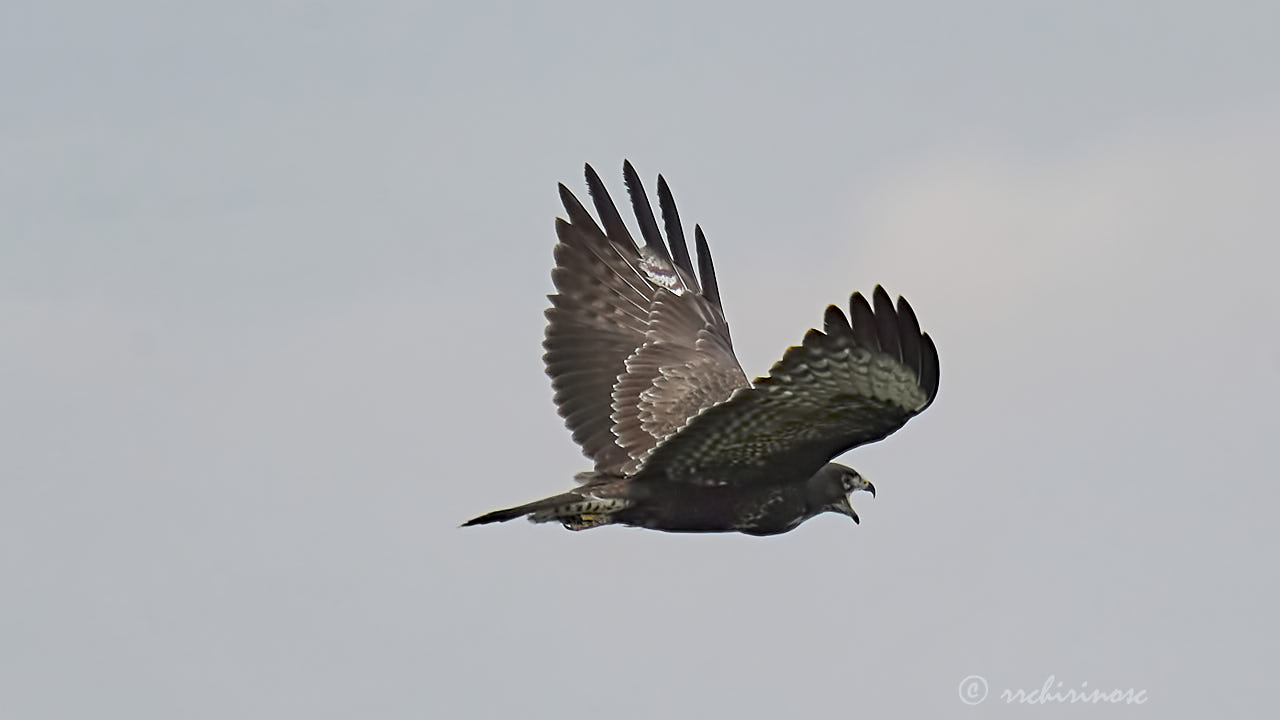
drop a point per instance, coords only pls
(575, 509)
(545, 506)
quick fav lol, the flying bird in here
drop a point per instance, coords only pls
(645, 377)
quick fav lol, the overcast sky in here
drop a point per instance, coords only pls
(272, 278)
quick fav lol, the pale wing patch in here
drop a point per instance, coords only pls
(660, 272)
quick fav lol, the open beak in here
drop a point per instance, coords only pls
(845, 508)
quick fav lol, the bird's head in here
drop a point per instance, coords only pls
(829, 489)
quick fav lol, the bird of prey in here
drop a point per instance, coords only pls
(645, 377)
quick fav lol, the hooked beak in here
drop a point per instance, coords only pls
(870, 488)
(844, 507)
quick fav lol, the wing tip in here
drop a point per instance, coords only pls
(886, 323)
(930, 371)
(706, 269)
(863, 321)
(892, 328)
(836, 324)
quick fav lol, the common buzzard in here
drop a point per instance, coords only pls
(645, 377)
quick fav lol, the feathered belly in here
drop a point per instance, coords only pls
(691, 508)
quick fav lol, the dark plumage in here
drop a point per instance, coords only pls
(645, 376)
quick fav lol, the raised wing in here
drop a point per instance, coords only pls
(853, 383)
(636, 340)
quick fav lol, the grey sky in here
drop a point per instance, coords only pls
(271, 294)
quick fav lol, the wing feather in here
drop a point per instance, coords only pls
(578, 215)
(909, 334)
(614, 228)
(886, 324)
(682, 367)
(835, 323)
(863, 321)
(675, 232)
(707, 270)
(644, 212)
(928, 368)
(632, 346)
(838, 389)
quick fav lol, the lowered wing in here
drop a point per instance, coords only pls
(855, 382)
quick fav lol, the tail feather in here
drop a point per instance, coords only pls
(496, 516)
(576, 509)
(512, 513)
